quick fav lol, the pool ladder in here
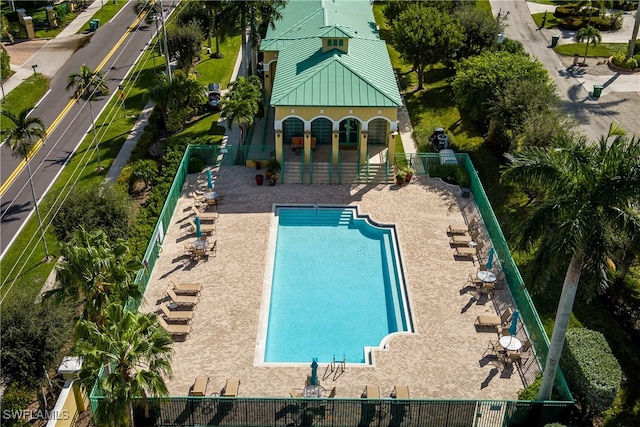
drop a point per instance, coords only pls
(335, 368)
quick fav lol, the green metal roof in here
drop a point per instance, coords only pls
(362, 78)
(305, 76)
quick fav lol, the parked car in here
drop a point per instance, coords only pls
(214, 94)
(439, 139)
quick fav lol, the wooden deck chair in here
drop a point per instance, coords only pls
(186, 288)
(457, 229)
(199, 387)
(495, 349)
(474, 281)
(469, 252)
(488, 288)
(295, 392)
(205, 216)
(400, 392)
(526, 345)
(175, 330)
(500, 280)
(473, 224)
(221, 197)
(199, 253)
(188, 249)
(494, 321)
(177, 315)
(182, 299)
(231, 388)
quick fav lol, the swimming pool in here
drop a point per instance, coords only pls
(337, 287)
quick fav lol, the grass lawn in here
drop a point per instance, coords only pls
(551, 22)
(26, 95)
(599, 50)
(106, 13)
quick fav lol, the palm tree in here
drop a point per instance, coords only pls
(88, 85)
(586, 208)
(21, 139)
(96, 272)
(590, 35)
(242, 103)
(135, 352)
(251, 13)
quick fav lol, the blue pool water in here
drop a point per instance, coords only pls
(335, 289)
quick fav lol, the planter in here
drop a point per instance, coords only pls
(259, 179)
(258, 165)
(400, 179)
(408, 177)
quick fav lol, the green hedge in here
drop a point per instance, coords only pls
(591, 369)
(453, 174)
(565, 11)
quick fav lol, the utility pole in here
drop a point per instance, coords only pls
(634, 34)
(497, 35)
(166, 48)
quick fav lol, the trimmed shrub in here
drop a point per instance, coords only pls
(16, 398)
(632, 63)
(565, 11)
(196, 165)
(591, 369)
(452, 174)
(571, 23)
(531, 391)
(105, 207)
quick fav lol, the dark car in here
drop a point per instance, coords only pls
(214, 94)
(439, 139)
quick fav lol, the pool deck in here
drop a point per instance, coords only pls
(442, 359)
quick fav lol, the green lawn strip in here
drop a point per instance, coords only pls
(219, 70)
(112, 135)
(105, 13)
(484, 5)
(24, 96)
(601, 49)
(551, 22)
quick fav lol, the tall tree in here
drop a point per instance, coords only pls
(426, 36)
(589, 34)
(21, 140)
(254, 15)
(136, 354)
(184, 44)
(242, 103)
(88, 85)
(586, 192)
(96, 273)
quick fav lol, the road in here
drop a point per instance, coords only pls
(594, 116)
(16, 204)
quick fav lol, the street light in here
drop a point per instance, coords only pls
(34, 66)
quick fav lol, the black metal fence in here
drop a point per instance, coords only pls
(267, 412)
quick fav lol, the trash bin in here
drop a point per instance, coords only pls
(93, 25)
(97, 23)
(576, 59)
(597, 90)
(554, 41)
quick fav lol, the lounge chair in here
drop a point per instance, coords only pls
(175, 330)
(182, 299)
(494, 321)
(295, 392)
(176, 315)
(371, 391)
(205, 216)
(457, 229)
(469, 252)
(231, 388)
(186, 288)
(494, 348)
(199, 387)
(400, 392)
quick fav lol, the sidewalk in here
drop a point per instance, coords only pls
(54, 53)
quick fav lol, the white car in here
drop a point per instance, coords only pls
(214, 94)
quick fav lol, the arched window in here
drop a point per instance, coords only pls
(340, 42)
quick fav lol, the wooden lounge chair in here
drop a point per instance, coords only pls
(199, 387)
(175, 330)
(371, 391)
(494, 321)
(177, 315)
(495, 349)
(457, 229)
(231, 388)
(469, 252)
(182, 299)
(400, 392)
(186, 288)
(205, 216)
